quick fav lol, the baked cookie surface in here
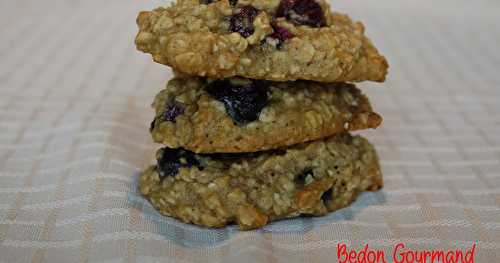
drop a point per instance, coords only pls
(260, 39)
(242, 115)
(253, 189)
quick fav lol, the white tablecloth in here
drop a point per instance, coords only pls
(74, 100)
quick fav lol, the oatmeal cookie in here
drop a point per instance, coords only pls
(279, 40)
(243, 115)
(253, 189)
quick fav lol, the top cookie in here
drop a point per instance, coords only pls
(261, 39)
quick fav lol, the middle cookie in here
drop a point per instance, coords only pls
(243, 115)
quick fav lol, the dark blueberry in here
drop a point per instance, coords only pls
(302, 12)
(327, 196)
(172, 111)
(207, 2)
(301, 178)
(243, 102)
(170, 160)
(280, 35)
(242, 22)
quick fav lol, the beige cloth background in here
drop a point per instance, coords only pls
(74, 100)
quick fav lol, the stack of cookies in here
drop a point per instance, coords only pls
(255, 124)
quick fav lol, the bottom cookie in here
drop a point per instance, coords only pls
(253, 189)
